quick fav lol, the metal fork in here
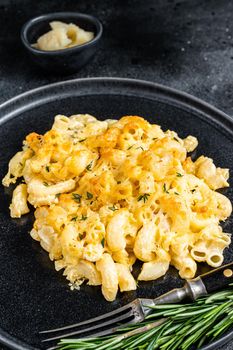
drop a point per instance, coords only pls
(131, 313)
(137, 310)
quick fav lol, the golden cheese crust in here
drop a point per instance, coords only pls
(109, 192)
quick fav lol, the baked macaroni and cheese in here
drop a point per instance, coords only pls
(107, 193)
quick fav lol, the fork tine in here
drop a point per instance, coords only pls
(101, 325)
(98, 333)
(95, 319)
(109, 331)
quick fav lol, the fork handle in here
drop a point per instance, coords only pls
(218, 278)
(209, 282)
(200, 286)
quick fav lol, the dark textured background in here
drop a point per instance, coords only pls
(187, 45)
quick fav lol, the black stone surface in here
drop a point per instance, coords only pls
(183, 44)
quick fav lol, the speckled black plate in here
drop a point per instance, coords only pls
(33, 296)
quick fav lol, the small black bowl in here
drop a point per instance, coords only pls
(64, 61)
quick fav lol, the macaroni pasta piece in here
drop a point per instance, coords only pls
(107, 193)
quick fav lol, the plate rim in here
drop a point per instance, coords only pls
(182, 97)
(173, 93)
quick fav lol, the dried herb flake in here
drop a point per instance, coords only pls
(113, 208)
(165, 188)
(76, 197)
(88, 167)
(179, 175)
(143, 197)
(89, 195)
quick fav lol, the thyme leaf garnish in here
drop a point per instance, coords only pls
(76, 197)
(165, 188)
(113, 208)
(179, 175)
(89, 195)
(143, 197)
(89, 166)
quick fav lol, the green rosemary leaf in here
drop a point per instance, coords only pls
(74, 218)
(171, 329)
(45, 184)
(179, 175)
(218, 296)
(47, 168)
(201, 342)
(102, 242)
(224, 328)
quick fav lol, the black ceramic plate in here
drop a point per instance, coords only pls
(33, 296)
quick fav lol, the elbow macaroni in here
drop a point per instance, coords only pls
(19, 205)
(110, 192)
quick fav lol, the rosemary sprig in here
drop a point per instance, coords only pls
(169, 327)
